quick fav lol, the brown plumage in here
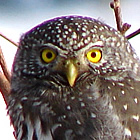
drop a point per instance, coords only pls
(75, 78)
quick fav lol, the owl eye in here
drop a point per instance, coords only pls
(48, 55)
(94, 55)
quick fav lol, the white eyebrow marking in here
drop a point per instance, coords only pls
(91, 44)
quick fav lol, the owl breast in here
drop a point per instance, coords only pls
(83, 111)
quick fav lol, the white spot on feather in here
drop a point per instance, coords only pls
(93, 115)
(132, 87)
(125, 106)
(78, 122)
(128, 49)
(114, 98)
(74, 35)
(136, 100)
(109, 87)
(82, 104)
(127, 132)
(68, 107)
(24, 98)
(136, 117)
(113, 83)
(122, 91)
(121, 84)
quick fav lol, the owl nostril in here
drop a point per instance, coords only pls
(64, 63)
(78, 63)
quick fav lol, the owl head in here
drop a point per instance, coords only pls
(70, 48)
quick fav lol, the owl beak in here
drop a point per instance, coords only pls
(71, 72)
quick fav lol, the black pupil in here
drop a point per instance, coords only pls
(49, 55)
(93, 54)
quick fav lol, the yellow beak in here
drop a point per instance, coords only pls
(71, 72)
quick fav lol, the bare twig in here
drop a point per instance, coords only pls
(5, 74)
(117, 10)
(133, 34)
(125, 28)
(4, 87)
(4, 78)
(4, 66)
(16, 44)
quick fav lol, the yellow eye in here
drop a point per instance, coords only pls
(48, 55)
(94, 55)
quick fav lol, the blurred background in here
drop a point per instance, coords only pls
(19, 16)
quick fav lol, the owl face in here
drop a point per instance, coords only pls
(71, 47)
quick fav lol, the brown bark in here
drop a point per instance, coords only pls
(122, 27)
(5, 74)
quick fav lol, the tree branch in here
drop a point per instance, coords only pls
(133, 34)
(6, 38)
(4, 87)
(115, 5)
(5, 77)
(4, 66)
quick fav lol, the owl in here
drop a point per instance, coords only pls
(75, 78)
